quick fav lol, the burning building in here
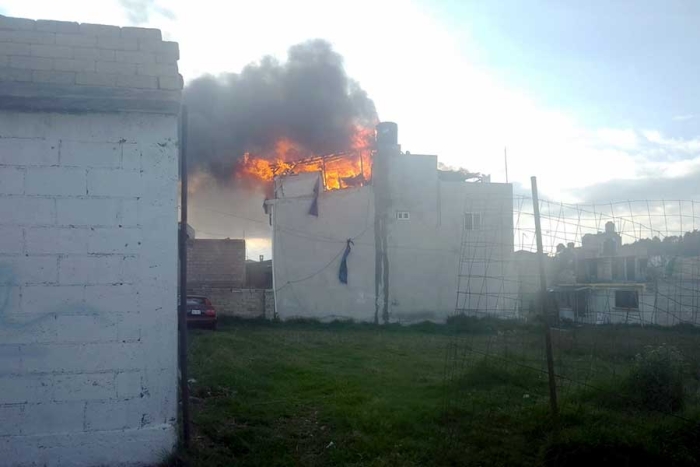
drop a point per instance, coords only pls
(380, 238)
(275, 118)
(359, 229)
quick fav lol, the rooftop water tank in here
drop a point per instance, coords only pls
(387, 134)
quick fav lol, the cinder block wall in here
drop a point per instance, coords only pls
(88, 244)
(241, 303)
(216, 263)
(86, 54)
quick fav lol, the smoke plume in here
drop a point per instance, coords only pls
(308, 99)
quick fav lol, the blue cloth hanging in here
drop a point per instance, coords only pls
(343, 273)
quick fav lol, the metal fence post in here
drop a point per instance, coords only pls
(544, 302)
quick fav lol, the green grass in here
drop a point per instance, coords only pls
(304, 393)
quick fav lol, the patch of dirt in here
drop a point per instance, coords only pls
(312, 439)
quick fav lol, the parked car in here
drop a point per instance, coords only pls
(200, 312)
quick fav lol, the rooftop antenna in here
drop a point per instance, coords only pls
(505, 157)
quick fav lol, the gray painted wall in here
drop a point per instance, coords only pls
(307, 251)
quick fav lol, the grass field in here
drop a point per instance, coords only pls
(277, 394)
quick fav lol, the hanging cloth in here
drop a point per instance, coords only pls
(314, 205)
(343, 273)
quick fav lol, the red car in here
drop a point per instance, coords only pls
(200, 312)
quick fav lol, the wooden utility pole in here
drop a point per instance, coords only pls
(544, 303)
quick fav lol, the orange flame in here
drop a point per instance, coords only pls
(352, 168)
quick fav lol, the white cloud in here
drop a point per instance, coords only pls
(683, 118)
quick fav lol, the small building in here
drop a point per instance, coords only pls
(392, 249)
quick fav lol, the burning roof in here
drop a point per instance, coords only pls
(338, 170)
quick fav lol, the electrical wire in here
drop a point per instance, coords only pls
(310, 276)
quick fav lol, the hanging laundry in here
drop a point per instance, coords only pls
(314, 205)
(343, 273)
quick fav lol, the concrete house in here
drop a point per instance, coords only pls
(401, 239)
(606, 281)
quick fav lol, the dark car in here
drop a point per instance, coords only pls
(200, 312)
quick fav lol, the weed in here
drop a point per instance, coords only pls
(656, 379)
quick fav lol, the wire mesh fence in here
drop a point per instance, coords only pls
(621, 304)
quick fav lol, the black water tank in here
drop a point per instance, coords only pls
(387, 134)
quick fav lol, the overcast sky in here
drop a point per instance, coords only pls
(599, 99)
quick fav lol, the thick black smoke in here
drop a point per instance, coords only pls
(308, 99)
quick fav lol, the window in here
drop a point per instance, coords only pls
(592, 269)
(566, 299)
(626, 299)
(574, 300)
(472, 221)
(403, 215)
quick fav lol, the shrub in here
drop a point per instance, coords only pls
(656, 379)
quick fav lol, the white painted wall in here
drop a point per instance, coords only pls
(425, 250)
(488, 278)
(88, 256)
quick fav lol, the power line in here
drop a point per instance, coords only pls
(296, 281)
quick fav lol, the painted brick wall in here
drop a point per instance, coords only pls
(88, 258)
(216, 263)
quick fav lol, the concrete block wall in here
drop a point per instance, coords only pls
(88, 256)
(218, 263)
(241, 303)
(68, 53)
